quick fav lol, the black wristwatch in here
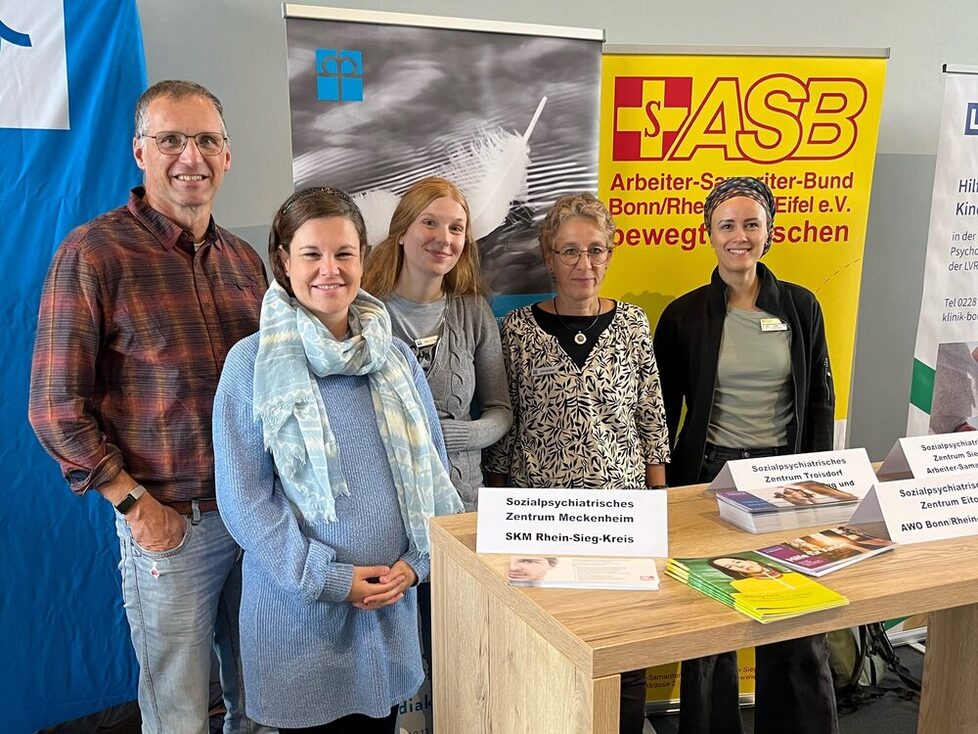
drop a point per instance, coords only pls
(130, 499)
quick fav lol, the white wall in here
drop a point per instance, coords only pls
(237, 48)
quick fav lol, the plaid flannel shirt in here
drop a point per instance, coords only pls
(133, 330)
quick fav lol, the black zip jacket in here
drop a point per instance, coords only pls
(687, 347)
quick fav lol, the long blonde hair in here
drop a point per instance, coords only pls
(384, 263)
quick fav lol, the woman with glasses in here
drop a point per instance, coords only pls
(427, 273)
(587, 409)
(747, 357)
(329, 463)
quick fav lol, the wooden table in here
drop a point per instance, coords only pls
(536, 661)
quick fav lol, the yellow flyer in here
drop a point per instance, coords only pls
(673, 126)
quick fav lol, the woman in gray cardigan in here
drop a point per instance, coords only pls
(427, 273)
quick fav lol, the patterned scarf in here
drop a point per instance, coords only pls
(294, 348)
(752, 188)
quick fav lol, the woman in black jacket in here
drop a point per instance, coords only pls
(747, 355)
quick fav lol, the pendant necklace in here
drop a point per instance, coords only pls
(579, 336)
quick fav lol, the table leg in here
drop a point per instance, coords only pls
(949, 703)
(493, 673)
(607, 695)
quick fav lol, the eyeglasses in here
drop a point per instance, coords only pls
(173, 143)
(571, 255)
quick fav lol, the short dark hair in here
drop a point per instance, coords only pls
(174, 89)
(318, 202)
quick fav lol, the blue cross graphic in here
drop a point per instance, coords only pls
(9, 34)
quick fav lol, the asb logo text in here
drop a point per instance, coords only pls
(775, 118)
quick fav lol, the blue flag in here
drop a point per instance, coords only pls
(70, 74)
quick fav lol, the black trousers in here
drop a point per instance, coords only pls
(424, 622)
(793, 682)
(631, 710)
(352, 724)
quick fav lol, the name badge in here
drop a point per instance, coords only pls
(543, 371)
(773, 325)
(426, 341)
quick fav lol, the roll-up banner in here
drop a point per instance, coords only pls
(677, 120)
(70, 74)
(509, 111)
(380, 100)
(944, 387)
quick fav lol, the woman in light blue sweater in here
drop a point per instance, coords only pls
(329, 462)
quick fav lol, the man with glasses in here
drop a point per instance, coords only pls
(139, 309)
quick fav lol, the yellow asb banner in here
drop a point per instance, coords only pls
(673, 126)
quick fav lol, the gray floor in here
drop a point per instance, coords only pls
(890, 713)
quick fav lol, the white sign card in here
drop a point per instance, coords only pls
(917, 510)
(33, 65)
(573, 522)
(849, 469)
(929, 457)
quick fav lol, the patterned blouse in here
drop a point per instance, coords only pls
(593, 427)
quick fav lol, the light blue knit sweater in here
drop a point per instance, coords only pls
(309, 656)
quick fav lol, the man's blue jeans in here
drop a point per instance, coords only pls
(181, 603)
